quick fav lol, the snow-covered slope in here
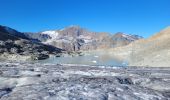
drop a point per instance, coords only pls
(52, 34)
(131, 37)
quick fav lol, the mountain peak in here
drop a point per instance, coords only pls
(119, 34)
(74, 26)
(9, 33)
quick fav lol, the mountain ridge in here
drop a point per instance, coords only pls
(75, 38)
(14, 44)
(152, 52)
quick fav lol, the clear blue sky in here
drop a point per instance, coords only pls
(142, 17)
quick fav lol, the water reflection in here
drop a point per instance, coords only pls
(88, 59)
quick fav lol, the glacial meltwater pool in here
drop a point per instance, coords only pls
(88, 59)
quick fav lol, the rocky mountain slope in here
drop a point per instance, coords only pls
(10, 34)
(14, 44)
(121, 39)
(154, 51)
(75, 38)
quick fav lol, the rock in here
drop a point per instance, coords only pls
(66, 82)
(40, 57)
(14, 50)
(1, 72)
(5, 91)
(124, 80)
(2, 43)
(166, 94)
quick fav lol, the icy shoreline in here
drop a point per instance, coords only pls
(71, 82)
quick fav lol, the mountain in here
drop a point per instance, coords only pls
(9, 33)
(154, 51)
(72, 38)
(75, 38)
(13, 42)
(121, 39)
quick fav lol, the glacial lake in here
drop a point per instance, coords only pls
(87, 59)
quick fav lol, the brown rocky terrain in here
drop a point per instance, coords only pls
(154, 51)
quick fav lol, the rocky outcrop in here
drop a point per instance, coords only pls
(75, 38)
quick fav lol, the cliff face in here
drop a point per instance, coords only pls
(75, 38)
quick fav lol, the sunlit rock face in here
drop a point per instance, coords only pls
(23, 81)
(74, 38)
(154, 51)
(121, 39)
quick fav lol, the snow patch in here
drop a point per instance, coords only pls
(131, 37)
(52, 34)
(87, 41)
